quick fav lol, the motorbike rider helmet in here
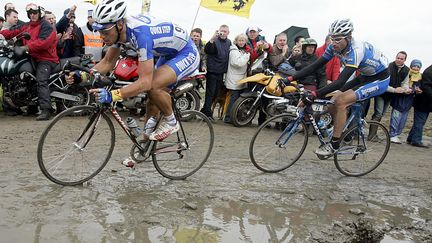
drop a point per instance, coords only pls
(341, 27)
(108, 12)
(309, 42)
(34, 8)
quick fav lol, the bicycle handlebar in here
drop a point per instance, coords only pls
(99, 80)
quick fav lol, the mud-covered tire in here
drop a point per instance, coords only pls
(239, 112)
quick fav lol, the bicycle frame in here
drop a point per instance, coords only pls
(356, 112)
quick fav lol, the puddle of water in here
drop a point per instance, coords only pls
(389, 239)
(85, 232)
(221, 221)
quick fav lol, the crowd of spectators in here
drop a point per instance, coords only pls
(224, 62)
(49, 41)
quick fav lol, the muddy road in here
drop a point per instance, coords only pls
(228, 200)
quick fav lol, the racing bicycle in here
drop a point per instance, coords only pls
(72, 149)
(271, 150)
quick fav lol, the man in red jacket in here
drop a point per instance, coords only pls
(42, 48)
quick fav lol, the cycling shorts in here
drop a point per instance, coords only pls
(366, 87)
(184, 63)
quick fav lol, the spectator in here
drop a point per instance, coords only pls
(398, 74)
(50, 17)
(196, 36)
(257, 43)
(88, 41)
(296, 51)
(42, 49)
(422, 108)
(11, 16)
(258, 46)
(333, 66)
(402, 102)
(217, 50)
(316, 79)
(66, 25)
(8, 6)
(237, 69)
(298, 40)
(280, 51)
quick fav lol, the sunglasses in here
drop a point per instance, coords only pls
(337, 40)
(33, 11)
(106, 30)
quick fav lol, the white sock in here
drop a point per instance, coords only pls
(171, 120)
(150, 125)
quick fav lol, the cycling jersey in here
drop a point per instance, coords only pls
(360, 55)
(154, 37)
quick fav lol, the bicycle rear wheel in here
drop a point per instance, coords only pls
(184, 152)
(358, 156)
(73, 149)
(270, 152)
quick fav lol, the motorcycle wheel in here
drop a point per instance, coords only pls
(84, 99)
(242, 112)
(188, 101)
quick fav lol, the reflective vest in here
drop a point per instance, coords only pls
(93, 44)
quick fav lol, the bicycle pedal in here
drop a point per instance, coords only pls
(322, 157)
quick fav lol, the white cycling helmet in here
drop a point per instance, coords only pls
(107, 12)
(341, 27)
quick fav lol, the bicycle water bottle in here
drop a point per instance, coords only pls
(322, 128)
(133, 126)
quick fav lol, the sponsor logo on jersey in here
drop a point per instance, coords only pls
(186, 62)
(368, 91)
(157, 30)
(372, 63)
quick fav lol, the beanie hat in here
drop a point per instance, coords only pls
(416, 62)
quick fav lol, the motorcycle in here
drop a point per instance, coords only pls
(249, 103)
(19, 79)
(277, 100)
(126, 72)
(265, 96)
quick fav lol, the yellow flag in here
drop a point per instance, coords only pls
(91, 1)
(235, 7)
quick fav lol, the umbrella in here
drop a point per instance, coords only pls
(294, 31)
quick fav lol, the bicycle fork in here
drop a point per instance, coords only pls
(95, 119)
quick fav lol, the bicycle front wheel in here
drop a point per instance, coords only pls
(278, 143)
(359, 152)
(184, 152)
(73, 149)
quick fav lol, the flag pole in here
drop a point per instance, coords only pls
(196, 15)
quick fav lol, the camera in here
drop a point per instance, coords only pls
(218, 33)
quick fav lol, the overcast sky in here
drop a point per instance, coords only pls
(391, 26)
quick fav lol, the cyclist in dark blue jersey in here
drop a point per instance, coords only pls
(178, 58)
(355, 56)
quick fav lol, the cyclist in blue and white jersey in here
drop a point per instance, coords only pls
(355, 55)
(178, 58)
